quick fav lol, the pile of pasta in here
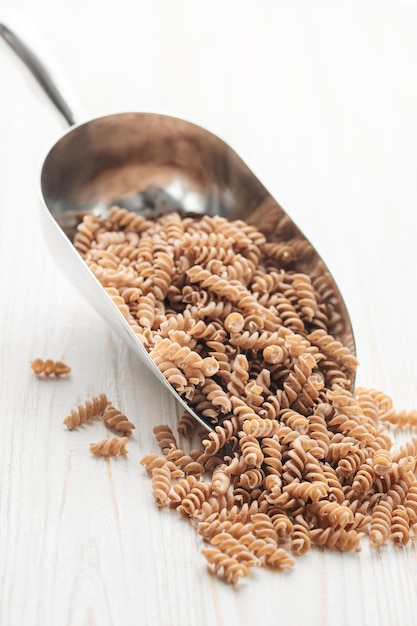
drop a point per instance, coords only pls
(295, 458)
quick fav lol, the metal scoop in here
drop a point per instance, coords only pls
(148, 162)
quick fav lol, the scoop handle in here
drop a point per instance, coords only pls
(43, 72)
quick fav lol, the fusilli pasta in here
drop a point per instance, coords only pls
(49, 367)
(83, 412)
(117, 420)
(294, 457)
(110, 447)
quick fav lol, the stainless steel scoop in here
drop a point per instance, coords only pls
(148, 161)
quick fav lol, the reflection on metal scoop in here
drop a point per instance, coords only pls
(151, 163)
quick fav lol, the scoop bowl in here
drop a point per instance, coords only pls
(151, 163)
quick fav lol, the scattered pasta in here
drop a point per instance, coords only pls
(295, 458)
(49, 367)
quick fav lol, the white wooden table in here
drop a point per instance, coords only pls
(320, 99)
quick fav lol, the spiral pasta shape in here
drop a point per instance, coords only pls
(400, 525)
(339, 539)
(401, 419)
(115, 419)
(220, 480)
(410, 502)
(382, 461)
(128, 220)
(218, 437)
(242, 332)
(86, 233)
(226, 567)
(261, 428)
(380, 523)
(83, 412)
(181, 489)
(187, 463)
(49, 367)
(273, 556)
(193, 501)
(234, 548)
(165, 438)
(110, 447)
(186, 426)
(251, 450)
(161, 484)
(300, 536)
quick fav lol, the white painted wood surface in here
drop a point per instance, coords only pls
(320, 99)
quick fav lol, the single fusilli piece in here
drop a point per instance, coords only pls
(116, 420)
(110, 447)
(186, 425)
(381, 523)
(401, 419)
(165, 438)
(400, 525)
(49, 367)
(83, 412)
(193, 502)
(268, 552)
(161, 484)
(224, 566)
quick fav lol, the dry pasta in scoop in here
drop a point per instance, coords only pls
(295, 458)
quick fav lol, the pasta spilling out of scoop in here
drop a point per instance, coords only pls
(295, 459)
